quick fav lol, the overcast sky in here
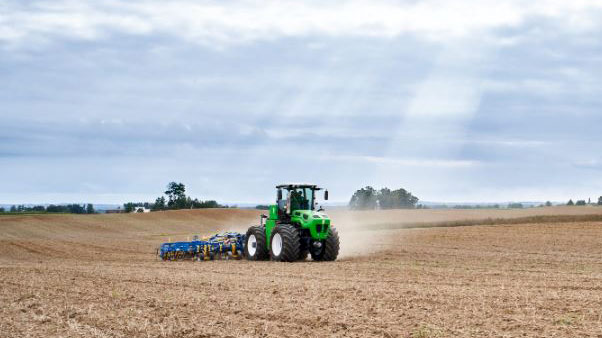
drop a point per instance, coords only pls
(108, 101)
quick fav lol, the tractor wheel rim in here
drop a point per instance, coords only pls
(252, 245)
(277, 244)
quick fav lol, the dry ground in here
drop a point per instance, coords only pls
(96, 276)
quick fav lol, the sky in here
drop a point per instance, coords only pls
(456, 101)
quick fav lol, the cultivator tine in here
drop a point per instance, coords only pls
(235, 254)
(207, 256)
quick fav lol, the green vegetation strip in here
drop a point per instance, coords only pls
(38, 213)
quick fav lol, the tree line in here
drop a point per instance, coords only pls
(583, 202)
(369, 198)
(52, 208)
(176, 200)
(385, 198)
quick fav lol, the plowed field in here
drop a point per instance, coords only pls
(419, 273)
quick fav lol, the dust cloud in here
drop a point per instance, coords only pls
(359, 236)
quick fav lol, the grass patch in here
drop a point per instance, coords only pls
(566, 320)
(426, 331)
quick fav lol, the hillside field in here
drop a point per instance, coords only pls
(403, 273)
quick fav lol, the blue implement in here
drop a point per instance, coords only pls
(228, 245)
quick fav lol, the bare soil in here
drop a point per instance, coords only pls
(97, 276)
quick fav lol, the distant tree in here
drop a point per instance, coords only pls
(57, 208)
(402, 199)
(570, 202)
(262, 207)
(548, 204)
(589, 200)
(52, 208)
(362, 199)
(13, 208)
(176, 192)
(76, 208)
(159, 204)
(38, 208)
(210, 204)
(580, 202)
(129, 207)
(385, 198)
(90, 208)
(600, 200)
(2, 210)
(515, 206)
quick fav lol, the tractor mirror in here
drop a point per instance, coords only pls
(326, 195)
(279, 194)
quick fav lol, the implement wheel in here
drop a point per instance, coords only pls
(330, 247)
(255, 244)
(285, 244)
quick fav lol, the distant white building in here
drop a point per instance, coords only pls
(140, 209)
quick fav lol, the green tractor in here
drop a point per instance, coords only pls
(294, 228)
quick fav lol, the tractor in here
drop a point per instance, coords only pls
(294, 228)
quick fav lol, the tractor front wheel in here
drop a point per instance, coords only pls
(255, 244)
(285, 244)
(330, 247)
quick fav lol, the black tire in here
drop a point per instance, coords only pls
(261, 248)
(290, 245)
(303, 254)
(330, 247)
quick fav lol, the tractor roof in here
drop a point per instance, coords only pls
(297, 185)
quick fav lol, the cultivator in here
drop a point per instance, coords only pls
(227, 245)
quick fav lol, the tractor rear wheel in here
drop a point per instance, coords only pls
(330, 247)
(285, 244)
(255, 244)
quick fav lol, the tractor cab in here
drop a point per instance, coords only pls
(292, 197)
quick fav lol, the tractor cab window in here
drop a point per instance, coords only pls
(282, 202)
(302, 199)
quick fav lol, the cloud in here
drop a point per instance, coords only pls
(407, 162)
(450, 99)
(220, 24)
(594, 164)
